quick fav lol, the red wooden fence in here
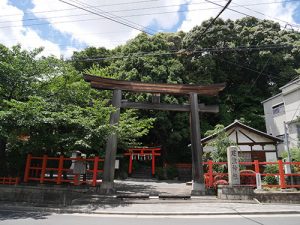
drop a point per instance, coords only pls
(36, 170)
(210, 175)
(9, 180)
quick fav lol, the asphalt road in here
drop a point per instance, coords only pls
(33, 218)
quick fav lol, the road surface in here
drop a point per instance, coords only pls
(9, 217)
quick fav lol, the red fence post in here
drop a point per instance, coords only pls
(153, 163)
(256, 166)
(27, 168)
(130, 164)
(44, 165)
(60, 169)
(281, 174)
(95, 171)
(210, 173)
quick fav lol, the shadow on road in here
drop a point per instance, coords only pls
(14, 215)
(137, 188)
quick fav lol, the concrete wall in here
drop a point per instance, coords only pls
(290, 96)
(241, 192)
(41, 195)
(278, 197)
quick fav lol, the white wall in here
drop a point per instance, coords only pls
(290, 96)
(274, 123)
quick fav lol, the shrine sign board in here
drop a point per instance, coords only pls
(233, 166)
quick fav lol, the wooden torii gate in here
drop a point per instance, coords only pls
(194, 108)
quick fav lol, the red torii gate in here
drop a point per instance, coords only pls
(143, 152)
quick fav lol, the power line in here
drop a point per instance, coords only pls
(138, 2)
(127, 16)
(203, 50)
(208, 26)
(114, 11)
(272, 17)
(68, 9)
(251, 69)
(264, 66)
(85, 20)
(85, 6)
(133, 9)
(114, 18)
(242, 13)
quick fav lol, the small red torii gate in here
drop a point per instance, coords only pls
(142, 152)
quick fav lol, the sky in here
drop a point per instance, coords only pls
(62, 28)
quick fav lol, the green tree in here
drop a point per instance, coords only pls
(219, 145)
(56, 110)
(250, 75)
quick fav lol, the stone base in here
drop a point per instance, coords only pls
(107, 188)
(283, 196)
(198, 189)
(197, 193)
(237, 192)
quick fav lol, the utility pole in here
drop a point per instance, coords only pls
(289, 158)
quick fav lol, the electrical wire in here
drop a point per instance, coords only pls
(85, 6)
(133, 9)
(263, 14)
(138, 2)
(208, 26)
(202, 50)
(68, 9)
(262, 70)
(127, 16)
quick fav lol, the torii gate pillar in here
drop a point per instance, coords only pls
(198, 187)
(107, 186)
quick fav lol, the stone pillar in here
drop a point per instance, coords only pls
(198, 187)
(233, 166)
(107, 185)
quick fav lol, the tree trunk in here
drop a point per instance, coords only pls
(3, 169)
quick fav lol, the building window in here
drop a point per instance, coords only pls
(278, 109)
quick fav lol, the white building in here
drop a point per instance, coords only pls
(284, 108)
(253, 144)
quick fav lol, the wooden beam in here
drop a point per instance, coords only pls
(112, 84)
(169, 107)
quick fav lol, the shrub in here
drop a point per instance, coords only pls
(271, 180)
(172, 172)
(167, 173)
(159, 173)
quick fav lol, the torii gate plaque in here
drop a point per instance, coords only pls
(194, 108)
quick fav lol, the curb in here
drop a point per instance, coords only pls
(70, 211)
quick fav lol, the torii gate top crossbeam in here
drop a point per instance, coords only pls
(112, 84)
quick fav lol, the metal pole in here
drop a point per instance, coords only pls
(197, 150)
(289, 158)
(107, 185)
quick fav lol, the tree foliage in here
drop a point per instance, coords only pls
(47, 108)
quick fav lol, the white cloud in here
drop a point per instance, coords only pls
(273, 9)
(93, 30)
(12, 31)
(96, 31)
